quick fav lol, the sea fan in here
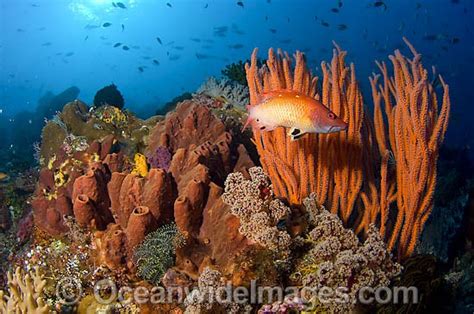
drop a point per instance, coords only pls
(157, 252)
(109, 95)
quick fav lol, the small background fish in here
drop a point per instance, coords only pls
(193, 40)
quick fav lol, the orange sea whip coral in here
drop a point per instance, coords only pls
(328, 164)
(369, 166)
(286, 163)
(416, 129)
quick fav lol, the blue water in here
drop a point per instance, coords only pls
(45, 45)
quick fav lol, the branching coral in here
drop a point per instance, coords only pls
(259, 212)
(337, 259)
(235, 72)
(25, 293)
(157, 252)
(226, 91)
(368, 164)
(328, 164)
(416, 128)
(58, 260)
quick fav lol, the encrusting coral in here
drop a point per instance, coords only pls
(140, 165)
(160, 158)
(358, 166)
(25, 293)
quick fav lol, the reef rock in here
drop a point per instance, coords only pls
(62, 181)
(75, 140)
(97, 185)
(76, 126)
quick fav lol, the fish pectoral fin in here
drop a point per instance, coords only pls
(268, 128)
(295, 134)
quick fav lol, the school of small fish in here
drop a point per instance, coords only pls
(220, 32)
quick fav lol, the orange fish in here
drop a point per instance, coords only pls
(3, 177)
(300, 113)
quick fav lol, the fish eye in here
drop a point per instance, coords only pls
(331, 116)
(258, 120)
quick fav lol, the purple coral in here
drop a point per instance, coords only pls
(161, 158)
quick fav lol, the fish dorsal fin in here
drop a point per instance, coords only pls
(295, 134)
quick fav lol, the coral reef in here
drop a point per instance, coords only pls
(236, 72)
(156, 254)
(342, 168)
(259, 212)
(205, 298)
(109, 95)
(229, 93)
(160, 158)
(123, 201)
(424, 273)
(171, 105)
(57, 189)
(337, 259)
(180, 201)
(25, 293)
(416, 133)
